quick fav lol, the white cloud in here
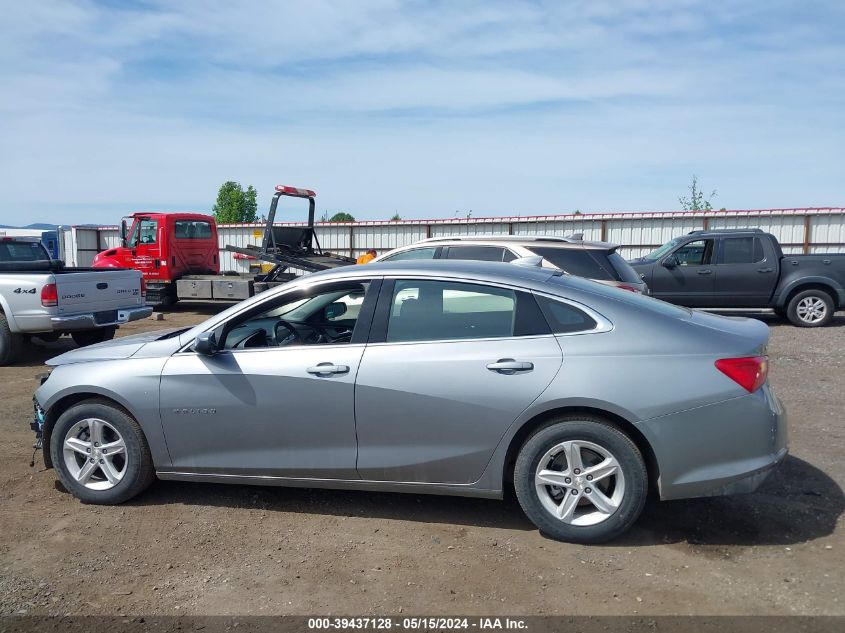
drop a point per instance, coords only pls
(421, 107)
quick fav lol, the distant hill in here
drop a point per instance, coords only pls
(37, 225)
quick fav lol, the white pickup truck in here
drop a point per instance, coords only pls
(40, 297)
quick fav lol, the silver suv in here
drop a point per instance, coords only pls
(597, 261)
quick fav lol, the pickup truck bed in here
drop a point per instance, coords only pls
(745, 269)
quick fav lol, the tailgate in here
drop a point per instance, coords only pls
(96, 291)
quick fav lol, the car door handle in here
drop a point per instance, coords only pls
(510, 366)
(325, 369)
(765, 270)
(705, 272)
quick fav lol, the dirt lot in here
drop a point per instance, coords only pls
(213, 549)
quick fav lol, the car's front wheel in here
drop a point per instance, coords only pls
(581, 480)
(100, 453)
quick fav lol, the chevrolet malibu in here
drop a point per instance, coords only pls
(442, 377)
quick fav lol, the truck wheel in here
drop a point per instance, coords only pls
(90, 337)
(100, 453)
(811, 308)
(10, 342)
(581, 480)
(167, 301)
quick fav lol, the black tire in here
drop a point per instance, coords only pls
(166, 302)
(796, 310)
(138, 470)
(603, 434)
(48, 337)
(10, 342)
(91, 337)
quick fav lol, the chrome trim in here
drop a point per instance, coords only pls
(603, 324)
(464, 340)
(366, 485)
(87, 321)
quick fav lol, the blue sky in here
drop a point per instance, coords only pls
(423, 108)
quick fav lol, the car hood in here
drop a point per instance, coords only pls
(122, 347)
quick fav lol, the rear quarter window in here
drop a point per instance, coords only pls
(576, 261)
(625, 271)
(564, 318)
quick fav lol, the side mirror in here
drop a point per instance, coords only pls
(334, 310)
(671, 261)
(123, 232)
(206, 344)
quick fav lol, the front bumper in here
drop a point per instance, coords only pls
(92, 320)
(37, 422)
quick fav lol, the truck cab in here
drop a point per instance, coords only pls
(165, 247)
(745, 269)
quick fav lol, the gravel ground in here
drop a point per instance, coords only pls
(212, 549)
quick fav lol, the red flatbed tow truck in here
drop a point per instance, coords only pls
(178, 254)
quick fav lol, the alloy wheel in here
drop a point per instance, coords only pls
(95, 454)
(811, 309)
(579, 482)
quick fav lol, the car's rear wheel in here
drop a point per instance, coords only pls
(91, 337)
(100, 453)
(581, 480)
(811, 308)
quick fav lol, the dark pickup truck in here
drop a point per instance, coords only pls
(745, 268)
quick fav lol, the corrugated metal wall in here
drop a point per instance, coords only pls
(798, 230)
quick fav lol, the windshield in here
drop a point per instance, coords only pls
(663, 250)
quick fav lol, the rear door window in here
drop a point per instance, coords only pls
(741, 250)
(477, 253)
(427, 310)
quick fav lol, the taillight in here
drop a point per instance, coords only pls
(49, 296)
(749, 373)
(629, 288)
(143, 288)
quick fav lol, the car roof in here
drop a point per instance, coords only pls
(546, 241)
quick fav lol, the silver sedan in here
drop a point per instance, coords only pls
(441, 377)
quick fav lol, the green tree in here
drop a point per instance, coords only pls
(251, 204)
(342, 216)
(234, 204)
(396, 217)
(696, 200)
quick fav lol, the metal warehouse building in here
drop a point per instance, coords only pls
(807, 230)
